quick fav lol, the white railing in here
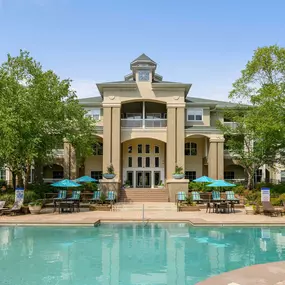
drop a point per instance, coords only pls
(51, 180)
(140, 123)
(58, 152)
(232, 125)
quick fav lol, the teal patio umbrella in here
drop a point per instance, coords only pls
(221, 183)
(204, 179)
(66, 183)
(85, 179)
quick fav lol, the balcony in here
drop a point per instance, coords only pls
(232, 125)
(143, 123)
(58, 152)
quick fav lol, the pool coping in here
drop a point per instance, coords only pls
(191, 222)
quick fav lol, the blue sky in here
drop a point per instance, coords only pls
(204, 42)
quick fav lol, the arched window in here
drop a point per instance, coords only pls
(190, 149)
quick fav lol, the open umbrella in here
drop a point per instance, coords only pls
(220, 183)
(65, 183)
(85, 179)
(204, 179)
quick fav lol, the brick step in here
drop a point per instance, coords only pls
(144, 195)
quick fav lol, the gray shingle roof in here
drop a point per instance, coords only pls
(143, 57)
(220, 104)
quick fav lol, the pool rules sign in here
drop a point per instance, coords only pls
(265, 194)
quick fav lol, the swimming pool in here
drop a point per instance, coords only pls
(124, 254)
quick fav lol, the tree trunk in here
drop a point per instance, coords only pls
(14, 175)
(27, 175)
(20, 179)
(249, 179)
(38, 172)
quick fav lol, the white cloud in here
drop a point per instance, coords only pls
(85, 88)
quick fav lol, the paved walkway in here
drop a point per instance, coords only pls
(269, 274)
(196, 218)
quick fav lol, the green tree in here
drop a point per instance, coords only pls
(38, 111)
(258, 137)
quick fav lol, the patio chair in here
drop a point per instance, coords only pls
(196, 197)
(13, 211)
(61, 195)
(96, 196)
(231, 197)
(216, 196)
(111, 196)
(75, 198)
(181, 197)
(268, 209)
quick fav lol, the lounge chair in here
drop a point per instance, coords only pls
(181, 197)
(13, 211)
(111, 196)
(231, 197)
(196, 197)
(96, 196)
(268, 209)
(2, 205)
(216, 196)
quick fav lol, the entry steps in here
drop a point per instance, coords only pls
(144, 195)
(148, 206)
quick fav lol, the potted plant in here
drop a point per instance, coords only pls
(178, 174)
(35, 207)
(127, 184)
(110, 174)
(101, 205)
(160, 185)
(188, 205)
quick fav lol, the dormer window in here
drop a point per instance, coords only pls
(143, 75)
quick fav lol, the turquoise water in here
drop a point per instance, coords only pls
(125, 254)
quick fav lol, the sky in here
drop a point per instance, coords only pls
(206, 42)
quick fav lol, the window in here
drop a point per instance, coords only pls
(143, 75)
(156, 149)
(157, 178)
(156, 162)
(258, 175)
(229, 175)
(2, 174)
(96, 175)
(98, 149)
(130, 162)
(94, 114)
(130, 178)
(190, 149)
(57, 174)
(194, 114)
(191, 175)
(282, 174)
(130, 149)
(147, 148)
(147, 162)
(139, 148)
(139, 161)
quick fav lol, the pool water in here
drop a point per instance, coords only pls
(125, 254)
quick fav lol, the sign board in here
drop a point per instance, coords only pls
(265, 194)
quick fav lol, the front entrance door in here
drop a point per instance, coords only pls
(143, 179)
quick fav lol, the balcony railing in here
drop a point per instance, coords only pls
(146, 123)
(58, 152)
(232, 125)
(51, 180)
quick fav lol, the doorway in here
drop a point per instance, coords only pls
(143, 179)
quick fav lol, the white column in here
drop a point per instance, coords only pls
(143, 114)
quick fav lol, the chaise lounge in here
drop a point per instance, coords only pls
(268, 209)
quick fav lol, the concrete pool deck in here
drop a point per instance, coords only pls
(269, 274)
(200, 218)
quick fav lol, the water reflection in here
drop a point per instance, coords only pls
(132, 254)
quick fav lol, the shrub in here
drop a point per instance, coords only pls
(91, 186)
(278, 189)
(30, 196)
(240, 190)
(3, 183)
(198, 186)
(276, 201)
(8, 198)
(253, 197)
(178, 170)
(41, 189)
(282, 197)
